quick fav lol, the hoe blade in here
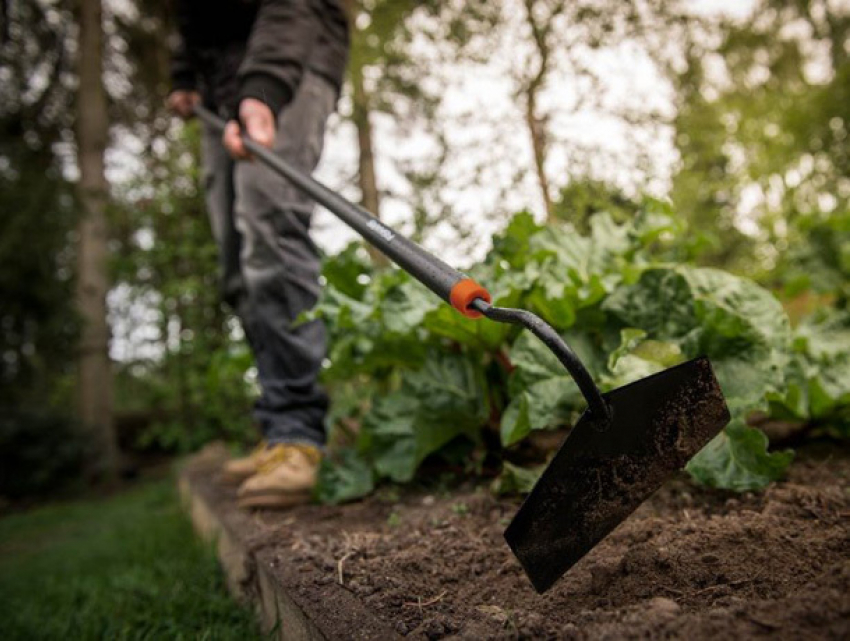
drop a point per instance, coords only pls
(601, 475)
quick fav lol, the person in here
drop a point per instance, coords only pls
(273, 69)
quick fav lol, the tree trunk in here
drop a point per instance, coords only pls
(537, 131)
(370, 199)
(540, 31)
(95, 375)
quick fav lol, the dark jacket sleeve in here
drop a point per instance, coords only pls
(279, 48)
(184, 75)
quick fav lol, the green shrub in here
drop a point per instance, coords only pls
(818, 383)
(40, 449)
(436, 378)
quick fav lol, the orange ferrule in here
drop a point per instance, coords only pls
(463, 293)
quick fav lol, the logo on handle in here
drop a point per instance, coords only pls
(379, 229)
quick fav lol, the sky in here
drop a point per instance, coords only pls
(497, 138)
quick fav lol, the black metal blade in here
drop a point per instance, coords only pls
(598, 478)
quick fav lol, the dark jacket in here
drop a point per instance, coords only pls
(235, 49)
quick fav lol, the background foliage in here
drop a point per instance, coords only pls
(748, 259)
(197, 388)
(436, 378)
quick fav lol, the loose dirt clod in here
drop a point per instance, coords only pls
(690, 563)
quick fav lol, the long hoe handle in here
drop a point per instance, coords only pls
(461, 292)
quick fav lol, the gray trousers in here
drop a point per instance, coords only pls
(270, 266)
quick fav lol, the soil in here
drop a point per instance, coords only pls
(690, 563)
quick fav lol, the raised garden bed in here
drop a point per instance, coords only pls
(431, 563)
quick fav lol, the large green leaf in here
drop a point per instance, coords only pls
(543, 393)
(625, 313)
(535, 362)
(339, 310)
(405, 304)
(445, 398)
(512, 245)
(345, 477)
(546, 403)
(450, 386)
(819, 374)
(388, 436)
(737, 459)
(745, 332)
(661, 303)
(820, 259)
(638, 357)
(516, 480)
(516, 424)
(573, 271)
(348, 271)
(740, 326)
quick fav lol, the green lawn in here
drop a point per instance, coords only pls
(125, 567)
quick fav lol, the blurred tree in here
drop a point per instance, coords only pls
(137, 70)
(540, 18)
(92, 130)
(182, 377)
(388, 74)
(762, 130)
(37, 316)
(185, 371)
(373, 27)
(582, 199)
(561, 40)
(40, 443)
(361, 54)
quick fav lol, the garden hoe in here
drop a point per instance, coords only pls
(624, 446)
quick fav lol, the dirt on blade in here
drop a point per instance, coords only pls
(690, 563)
(599, 477)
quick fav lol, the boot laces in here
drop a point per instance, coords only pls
(284, 451)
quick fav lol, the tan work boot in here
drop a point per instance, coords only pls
(238, 469)
(285, 479)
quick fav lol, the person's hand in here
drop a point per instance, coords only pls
(183, 102)
(259, 123)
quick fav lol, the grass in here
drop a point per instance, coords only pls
(125, 567)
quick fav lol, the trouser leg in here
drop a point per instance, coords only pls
(219, 194)
(280, 267)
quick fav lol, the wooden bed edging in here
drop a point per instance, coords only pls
(281, 610)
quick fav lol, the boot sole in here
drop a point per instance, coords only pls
(235, 479)
(276, 500)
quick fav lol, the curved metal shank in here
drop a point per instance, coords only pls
(546, 333)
